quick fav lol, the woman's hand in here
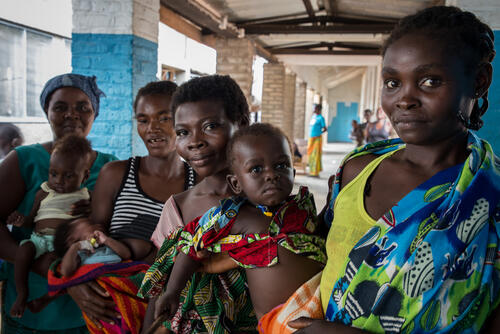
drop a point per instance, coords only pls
(216, 263)
(80, 208)
(320, 326)
(15, 218)
(92, 299)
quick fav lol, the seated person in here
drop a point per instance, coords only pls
(10, 138)
(69, 168)
(261, 226)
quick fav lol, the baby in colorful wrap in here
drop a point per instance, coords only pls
(88, 254)
(80, 242)
(69, 168)
(264, 230)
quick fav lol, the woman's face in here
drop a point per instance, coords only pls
(70, 111)
(424, 87)
(203, 130)
(155, 124)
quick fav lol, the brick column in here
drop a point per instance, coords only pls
(273, 89)
(235, 58)
(117, 41)
(300, 110)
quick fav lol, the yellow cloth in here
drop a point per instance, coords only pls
(314, 152)
(350, 223)
(57, 205)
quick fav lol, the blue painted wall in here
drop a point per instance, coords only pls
(491, 128)
(122, 64)
(340, 126)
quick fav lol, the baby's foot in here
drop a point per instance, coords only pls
(36, 305)
(17, 310)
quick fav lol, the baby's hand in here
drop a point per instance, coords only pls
(100, 237)
(16, 219)
(166, 306)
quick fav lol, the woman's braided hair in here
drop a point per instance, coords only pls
(462, 33)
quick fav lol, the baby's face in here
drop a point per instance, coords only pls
(82, 229)
(66, 174)
(263, 168)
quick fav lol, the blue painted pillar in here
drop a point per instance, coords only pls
(117, 41)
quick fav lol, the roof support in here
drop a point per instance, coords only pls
(309, 8)
(203, 18)
(266, 28)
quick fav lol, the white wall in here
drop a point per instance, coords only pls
(179, 51)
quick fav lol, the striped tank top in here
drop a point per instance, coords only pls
(135, 214)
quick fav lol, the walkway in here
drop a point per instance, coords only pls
(332, 157)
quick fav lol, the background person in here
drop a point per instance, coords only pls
(10, 138)
(71, 103)
(378, 130)
(317, 126)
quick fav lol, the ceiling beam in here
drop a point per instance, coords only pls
(323, 19)
(200, 17)
(266, 29)
(309, 8)
(301, 51)
(325, 44)
(329, 60)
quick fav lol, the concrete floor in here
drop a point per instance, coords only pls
(333, 153)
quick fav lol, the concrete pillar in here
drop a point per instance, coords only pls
(235, 58)
(370, 96)
(289, 104)
(117, 41)
(489, 12)
(273, 94)
(300, 110)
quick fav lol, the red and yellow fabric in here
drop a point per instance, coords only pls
(120, 280)
(292, 227)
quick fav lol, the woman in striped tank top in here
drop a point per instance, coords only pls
(129, 194)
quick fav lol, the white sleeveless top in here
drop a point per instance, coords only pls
(57, 205)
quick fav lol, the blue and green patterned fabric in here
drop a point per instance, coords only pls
(432, 263)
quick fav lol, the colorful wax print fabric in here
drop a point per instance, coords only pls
(292, 227)
(210, 303)
(432, 263)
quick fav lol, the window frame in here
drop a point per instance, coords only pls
(25, 118)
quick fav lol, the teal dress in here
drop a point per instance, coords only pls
(34, 167)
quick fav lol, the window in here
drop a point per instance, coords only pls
(29, 59)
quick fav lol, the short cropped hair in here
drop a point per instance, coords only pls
(9, 132)
(215, 88)
(73, 146)
(255, 130)
(164, 88)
